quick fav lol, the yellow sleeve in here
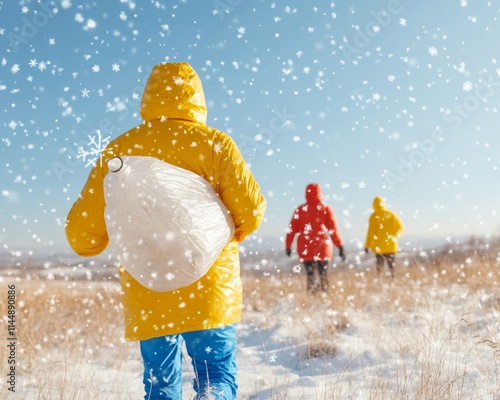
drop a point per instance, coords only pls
(371, 233)
(239, 191)
(398, 228)
(85, 226)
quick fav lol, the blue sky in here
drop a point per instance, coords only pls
(392, 98)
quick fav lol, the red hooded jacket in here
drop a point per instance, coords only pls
(314, 222)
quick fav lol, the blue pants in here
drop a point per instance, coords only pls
(212, 352)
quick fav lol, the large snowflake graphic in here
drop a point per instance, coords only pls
(95, 147)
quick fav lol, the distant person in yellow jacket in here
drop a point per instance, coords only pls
(384, 228)
(203, 314)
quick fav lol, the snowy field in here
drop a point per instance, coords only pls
(431, 333)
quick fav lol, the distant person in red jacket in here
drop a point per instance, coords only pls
(314, 223)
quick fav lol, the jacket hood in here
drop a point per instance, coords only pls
(314, 193)
(174, 90)
(378, 204)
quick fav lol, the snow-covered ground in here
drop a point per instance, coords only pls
(406, 341)
(380, 356)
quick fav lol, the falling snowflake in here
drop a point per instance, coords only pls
(178, 80)
(169, 276)
(433, 51)
(208, 349)
(116, 67)
(96, 146)
(463, 3)
(272, 358)
(402, 21)
(241, 31)
(91, 24)
(152, 378)
(467, 86)
(85, 92)
(217, 147)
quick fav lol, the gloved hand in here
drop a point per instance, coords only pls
(288, 252)
(341, 253)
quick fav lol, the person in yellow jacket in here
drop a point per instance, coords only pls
(203, 314)
(384, 228)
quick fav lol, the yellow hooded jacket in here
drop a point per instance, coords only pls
(174, 112)
(384, 228)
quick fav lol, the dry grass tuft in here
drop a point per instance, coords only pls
(62, 328)
(283, 299)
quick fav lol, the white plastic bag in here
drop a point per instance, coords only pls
(166, 225)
